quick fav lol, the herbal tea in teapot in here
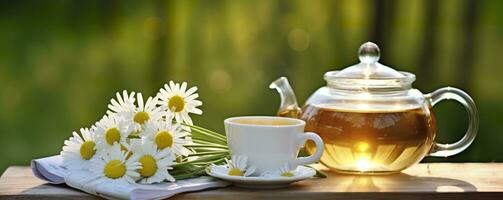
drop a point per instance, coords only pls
(372, 120)
(378, 141)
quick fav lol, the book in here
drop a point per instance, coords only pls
(50, 169)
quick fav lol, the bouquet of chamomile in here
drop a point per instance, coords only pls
(147, 141)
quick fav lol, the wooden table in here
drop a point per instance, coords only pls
(432, 181)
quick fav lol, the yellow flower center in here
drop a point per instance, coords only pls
(287, 174)
(235, 172)
(115, 169)
(163, 139)
(176, 103)
(112, 135)
(148, 166)
(141, 117)
(87, 150)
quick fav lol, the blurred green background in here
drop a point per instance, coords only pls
(62, 61)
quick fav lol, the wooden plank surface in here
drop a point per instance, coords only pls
(433, 181)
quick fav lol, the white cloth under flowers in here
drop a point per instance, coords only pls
(50, 169)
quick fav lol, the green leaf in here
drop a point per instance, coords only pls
(319, 173)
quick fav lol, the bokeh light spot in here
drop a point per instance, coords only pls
(298, 39)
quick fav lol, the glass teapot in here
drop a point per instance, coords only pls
(372, 120)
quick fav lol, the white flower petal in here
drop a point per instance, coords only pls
(250, 171)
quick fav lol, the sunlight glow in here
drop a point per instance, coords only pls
(363, 164)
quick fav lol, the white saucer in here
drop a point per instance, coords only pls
(258, 182)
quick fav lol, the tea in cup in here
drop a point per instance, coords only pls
(270, 143)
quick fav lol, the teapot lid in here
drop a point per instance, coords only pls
(369, 74)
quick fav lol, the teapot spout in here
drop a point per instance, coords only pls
(288, 106)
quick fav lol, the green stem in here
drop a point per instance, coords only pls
(204, 149)
(201, 160)
(206, 137)
(196, 166)
(189, 175)
(209, 153)
(219, 160)
(209, 132)
(217, 146)
(200, 141)
(133, 136)
(197, 134)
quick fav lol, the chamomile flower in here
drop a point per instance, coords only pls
(179, 102)
(122, 104)
(137, 116)
(113, 166)
(281, 172)
(237, 167)
(78, 151)
(164, 134)
(112, 129)
(155, 163)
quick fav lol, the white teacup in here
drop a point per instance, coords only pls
(270, 143)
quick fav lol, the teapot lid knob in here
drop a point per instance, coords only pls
(369, 53)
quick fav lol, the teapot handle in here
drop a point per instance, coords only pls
(444, 150)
